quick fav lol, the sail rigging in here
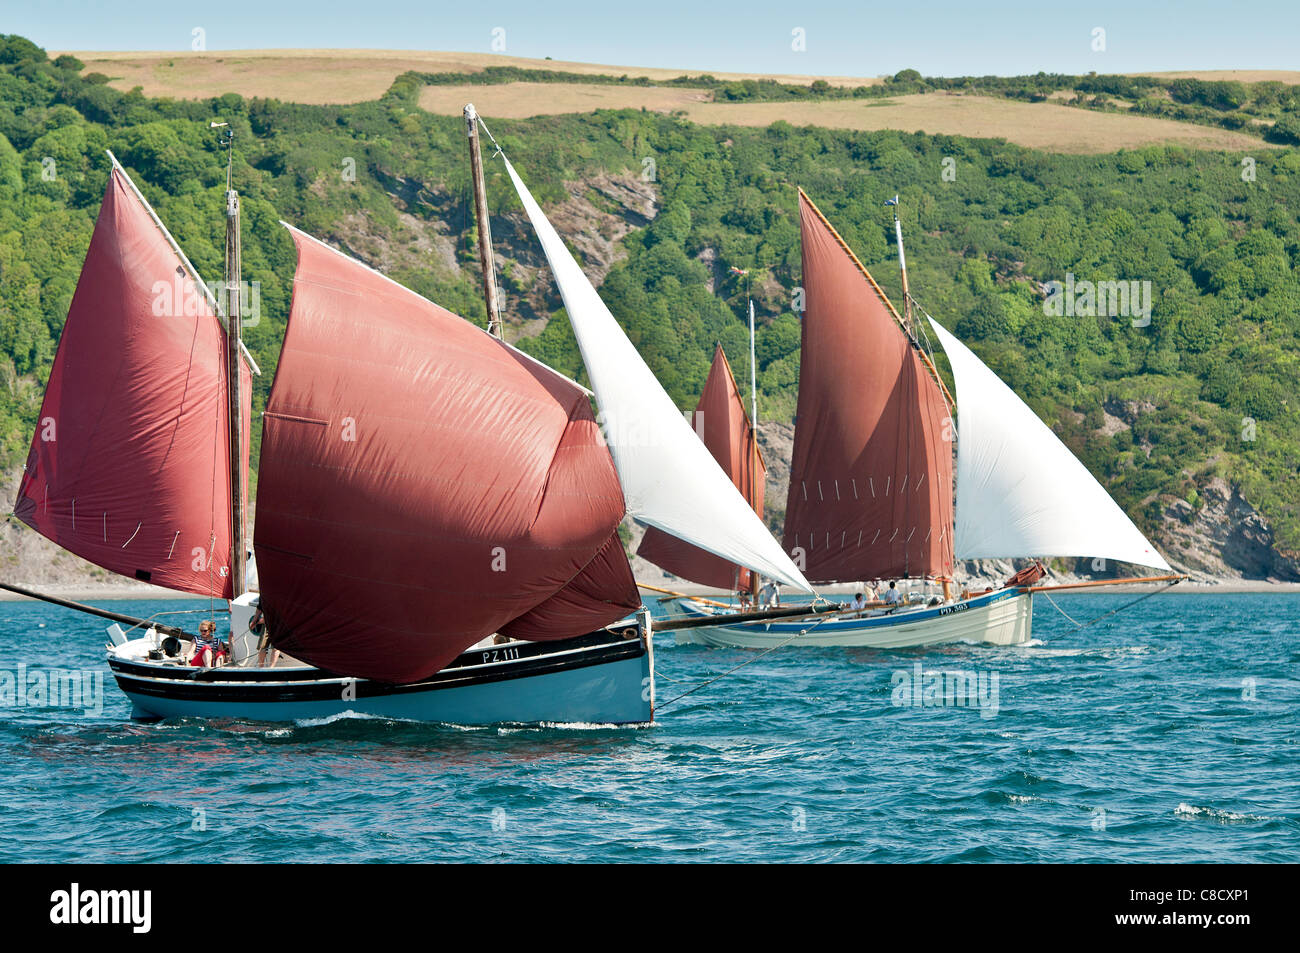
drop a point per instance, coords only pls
(669, 479)
(871, 477)
(423, 485)
(1020, 491)
(129, 467)
(726, 429)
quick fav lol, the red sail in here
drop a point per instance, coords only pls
(423, 485)
(723, 424)
(129, 467)
(871, 476)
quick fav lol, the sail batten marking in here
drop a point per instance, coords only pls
(174, 539)
(74, 510)
(820, 496)
(903, 488)
(887, 480)
(296, 419)
(837, 489)
(855, 489)
(132, 536)
(805, 489)
(876, 537)
(872, 484)
(106, 526)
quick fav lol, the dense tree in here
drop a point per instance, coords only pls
(1207, 385)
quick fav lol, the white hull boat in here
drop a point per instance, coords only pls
(1004, 617)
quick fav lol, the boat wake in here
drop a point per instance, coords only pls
(1188, 811)
(349, 715)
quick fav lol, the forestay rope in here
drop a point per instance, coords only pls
(1105, 615)
(800, 634)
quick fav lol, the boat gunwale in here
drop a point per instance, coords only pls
(174, 682)
(882, 620)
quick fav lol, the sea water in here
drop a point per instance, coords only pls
(1169, 732)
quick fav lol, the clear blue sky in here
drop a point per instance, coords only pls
(863, 38)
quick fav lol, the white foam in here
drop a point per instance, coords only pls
(1191, 810)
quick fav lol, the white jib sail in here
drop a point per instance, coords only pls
(670, 480)
(1020, 491)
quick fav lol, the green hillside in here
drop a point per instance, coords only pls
(1207, 388)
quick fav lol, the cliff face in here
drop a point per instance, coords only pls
(433, 226)
(1225, 537)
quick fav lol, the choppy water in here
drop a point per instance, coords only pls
(1168, 733)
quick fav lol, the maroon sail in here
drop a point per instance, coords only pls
(724, 426)
(871, 477)
(422, 485)
(129, 467)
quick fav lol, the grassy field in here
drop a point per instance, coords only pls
(1225, 75)
(347, 76)
(1049, 126)
(339, 76)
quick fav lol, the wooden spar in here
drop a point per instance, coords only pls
(1107, 582)
(753, 377)
(484, 226)
(234, 375)
(750, 488)
(902, 267)
(753, 439)
(952, 404)
(739, 618)
(91, 610)
(681, 595)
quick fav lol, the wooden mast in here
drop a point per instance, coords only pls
(753, 440)
(230, 300)
(484, 226)
(902, 267)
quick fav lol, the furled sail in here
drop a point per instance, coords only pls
(722, 422)
(423, 485)
(1021, 492)
(669, 479)
(871, 475)
(129, 467)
